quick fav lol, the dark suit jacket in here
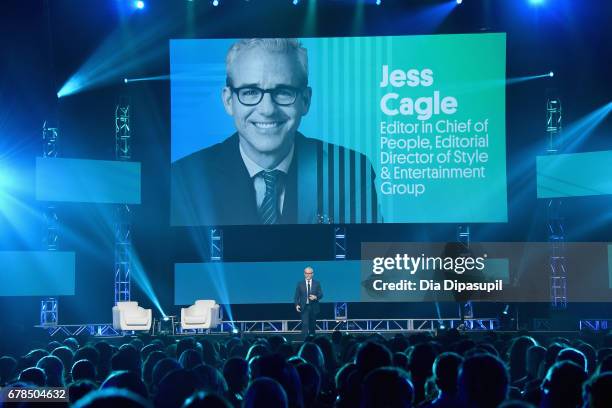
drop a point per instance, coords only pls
(300, 294)
(212, 186)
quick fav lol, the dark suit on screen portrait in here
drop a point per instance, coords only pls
(309, 308)
(213, 187)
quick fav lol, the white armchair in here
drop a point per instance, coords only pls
(130, 316)
(204, 314)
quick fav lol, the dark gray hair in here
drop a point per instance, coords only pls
(282, 45)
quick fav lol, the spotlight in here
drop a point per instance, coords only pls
(139, 4)
(459, 1)
(234, 331)
(215, 3)
(166, 318)
(536, 2)
(125, 80)
(378, 2)
(551, 74)
(295, 2)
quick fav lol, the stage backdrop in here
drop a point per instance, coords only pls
(424, 115)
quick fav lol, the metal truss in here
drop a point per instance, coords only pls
(123, 253)
(340, 248)
(340, 311)
(466, 310)
(542, 324)
(340, 252)
(96, 330)
(292, 326)
(216, 244)
(50, 148)
(48, 312)
(595, 324)
(123, 216)
(555, 222)
(356, 325)
(123, 131)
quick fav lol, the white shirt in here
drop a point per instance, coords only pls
(258, 182)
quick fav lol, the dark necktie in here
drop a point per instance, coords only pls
(269, 209)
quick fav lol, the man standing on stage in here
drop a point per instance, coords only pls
(308, 293)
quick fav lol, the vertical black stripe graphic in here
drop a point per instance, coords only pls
(341, 184)
(320, 179)
(363, 192)
(352, 181)
(330, 180)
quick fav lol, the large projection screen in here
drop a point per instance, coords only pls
(399, 129)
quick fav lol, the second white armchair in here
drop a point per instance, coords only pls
(204, 314)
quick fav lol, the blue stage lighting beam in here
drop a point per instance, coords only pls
(578, 131)
(426, 19)
(110, 62)
(140, 277)
(517, 80)
(574, 175)
(151, 78)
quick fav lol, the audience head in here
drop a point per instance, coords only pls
(175, 388)
(203, 399)
(371, 356)
(88, 353)
(33, 375)
(310, 378)
(126, 359)
(209, 353)
(387, 387)
(190, 359)
(311, 353)
(147, 368)
(483, 381)
(256, 350)
(163, 368)
(184, 344)
(590, 354)
(236, 373)
(347, 384)
(605, 365)
(535, 357)
(127, 380)
(265, 392)
(275, 342)
(83, 370)
(79, 389)
(274, 366)
(72, 343)
(65, 354)
(597, 392)
(573, 355)
(445, 371)
(8, 365)
(211, 379)
(54, 370)
(112, 397)
(518, 356)
(562, 386)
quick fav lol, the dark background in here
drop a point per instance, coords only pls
(43, 43)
